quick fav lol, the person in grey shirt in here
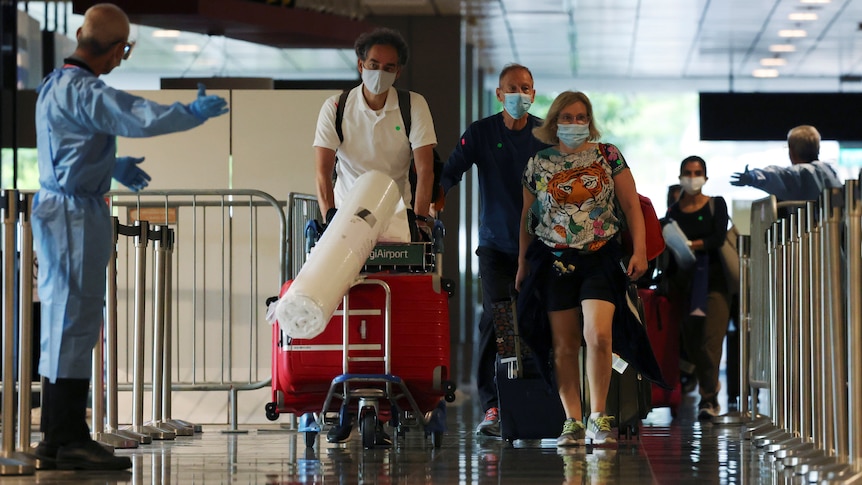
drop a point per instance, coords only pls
(804, 179)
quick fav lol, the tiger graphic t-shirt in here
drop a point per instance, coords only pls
(575, 200)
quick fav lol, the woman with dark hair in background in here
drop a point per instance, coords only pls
(703, 220)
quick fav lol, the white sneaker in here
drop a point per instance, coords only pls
(599, 429)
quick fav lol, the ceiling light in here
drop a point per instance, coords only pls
(792, 33)
(773, 61)
(166, 33)
(765, 73)
(782, 48)
(814, 1)
(802, 16)
(186, 48)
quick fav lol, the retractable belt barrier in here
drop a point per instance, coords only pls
(802, 340)
(17, 321)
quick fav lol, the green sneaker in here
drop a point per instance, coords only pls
(573, 433)
(599, 430)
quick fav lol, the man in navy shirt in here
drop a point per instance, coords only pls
(499, 146)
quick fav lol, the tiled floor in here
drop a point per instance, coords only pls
(670, 451)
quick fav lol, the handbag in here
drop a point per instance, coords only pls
(729, 254)
(652, 226)
(730, 259)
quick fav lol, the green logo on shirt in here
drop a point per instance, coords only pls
(499, 145)
(397, 128)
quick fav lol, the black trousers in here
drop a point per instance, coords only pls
(64, 411)
(497, 271)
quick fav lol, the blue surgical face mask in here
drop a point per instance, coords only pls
(379, 81)
(516, 104)
(572, 135)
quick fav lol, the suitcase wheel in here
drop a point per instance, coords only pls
(629, 431)
(368, 429)
(449, 390)
(271, 411)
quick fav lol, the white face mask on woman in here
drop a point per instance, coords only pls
(379, 81)
(692, 185)
(573, 135)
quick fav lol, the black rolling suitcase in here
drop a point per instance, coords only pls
(629, 401)
(529, 407)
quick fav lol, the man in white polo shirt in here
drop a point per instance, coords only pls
(373, 131)
(374, 136)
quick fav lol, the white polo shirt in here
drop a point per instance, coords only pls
(374, 140)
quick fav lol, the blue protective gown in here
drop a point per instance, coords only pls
(77, 120)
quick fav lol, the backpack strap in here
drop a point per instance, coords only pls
(712, 206)
(339, 114)
(403, 104)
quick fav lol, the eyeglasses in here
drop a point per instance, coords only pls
(375, 66)
(127, 50)
(567, 119)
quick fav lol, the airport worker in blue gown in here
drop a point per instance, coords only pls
(78, 118)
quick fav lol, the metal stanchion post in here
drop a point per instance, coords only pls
(743, 323)
(111, 387)
(184, 428)
(819, 469)
(138, 360)
(25, 322)
(160, 238)
(780, 438)
(105, 367)
(803, 284)
(853, 248)
(11, 462)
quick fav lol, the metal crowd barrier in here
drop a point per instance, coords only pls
(804, 334)
(229, 254)
(300, 209)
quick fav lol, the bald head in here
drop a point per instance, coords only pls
(803, 144)
(104, 26)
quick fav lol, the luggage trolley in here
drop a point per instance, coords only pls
(396, 313)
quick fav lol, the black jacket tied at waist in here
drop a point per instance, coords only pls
(630, 340)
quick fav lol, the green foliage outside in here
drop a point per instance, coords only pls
(28, 169)
(650, 130)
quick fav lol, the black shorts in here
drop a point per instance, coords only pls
(589, 281)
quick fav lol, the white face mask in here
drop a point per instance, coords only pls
(379, 81)
(692, 185)
(516, 104)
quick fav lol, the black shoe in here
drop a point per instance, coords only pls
(89, 455)
(338, 434)
(381, 438)
(47, 455)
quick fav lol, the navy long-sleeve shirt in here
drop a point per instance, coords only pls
(500, 156)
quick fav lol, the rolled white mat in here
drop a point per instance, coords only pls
(337, 258)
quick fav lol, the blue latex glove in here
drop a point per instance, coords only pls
(741, 179)
(207, 106)
(127, 172)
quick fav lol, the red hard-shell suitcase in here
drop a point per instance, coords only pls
(302, 369)
(662, 322)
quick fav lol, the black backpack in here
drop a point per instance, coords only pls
(404, 105)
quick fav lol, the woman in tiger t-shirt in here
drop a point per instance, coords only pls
(570, 257)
